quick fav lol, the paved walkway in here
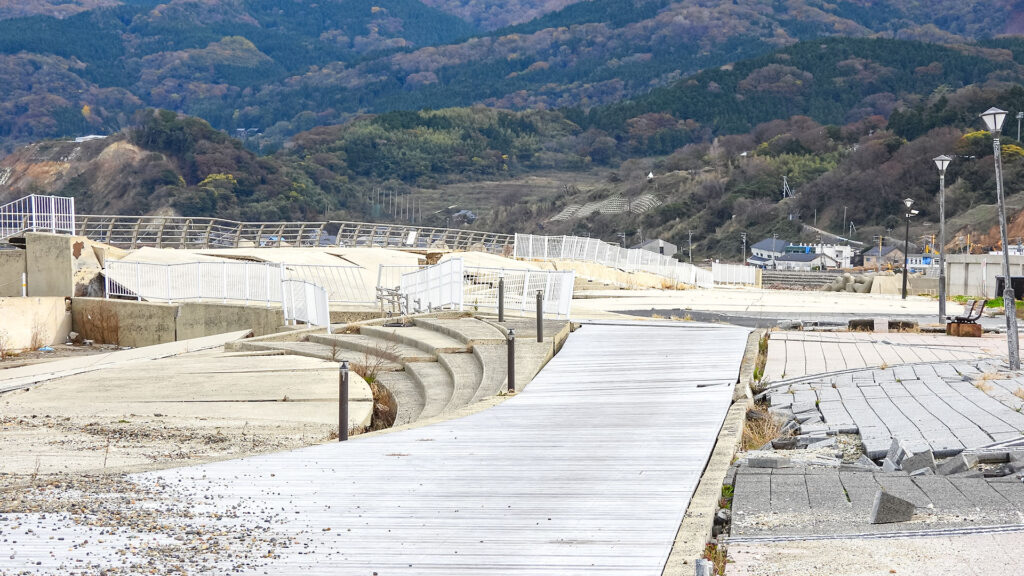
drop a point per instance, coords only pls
(796, 354)
(589, 470)
(942, 407)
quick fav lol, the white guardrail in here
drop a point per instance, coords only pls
(434, 287)
(733, 274)
(36, 213)
(530, 247)
(231, 281)
(521, 287)
(305, 302)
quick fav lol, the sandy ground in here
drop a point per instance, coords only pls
(138, 417)
(924, 556)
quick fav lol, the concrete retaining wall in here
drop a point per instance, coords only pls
(12, 266)
(59, 265)
(975, 274)
(135, 324)
(33, 322)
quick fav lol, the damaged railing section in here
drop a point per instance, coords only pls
(531, 247)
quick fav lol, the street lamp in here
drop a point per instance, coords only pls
(994, 121)
(906, 243)
(941, 162)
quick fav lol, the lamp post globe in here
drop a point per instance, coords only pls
(908, 202)
(994, 118)
(942, 162)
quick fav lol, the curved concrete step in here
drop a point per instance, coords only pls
(466, 373)
(424, 339)
(469, 331)
(408, 395)
(494, 362)
(436, 384)
(373, 346)
(324, 352)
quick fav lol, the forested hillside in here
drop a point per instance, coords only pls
(273, 68)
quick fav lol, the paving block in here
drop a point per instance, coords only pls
(920, 460)
(889, 465)
(865, 461)
(968, 474)
(888, 509)
(822, 444)
(791, 427)
(923, 472)
(805, 440)
(787, 443)
(813, 429)
(781, 413)
(809, 417)
(956, 464)
(896, 452)
(768, 462)
(799, 407)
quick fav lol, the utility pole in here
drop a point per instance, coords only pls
(689, 242)
(775, 238)
(844, 219)
(743, 235)
(1019, 116)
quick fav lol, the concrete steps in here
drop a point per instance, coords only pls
(416, 337)
(469, 331)
(437, 386)
(466, 373)
(494, 360)
(373, 346)
(407, 393)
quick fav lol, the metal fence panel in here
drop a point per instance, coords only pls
(733, 274)
(438, 286)
(531, 247)
(305, 302)
(37, 213)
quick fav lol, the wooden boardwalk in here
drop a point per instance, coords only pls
(589, 470)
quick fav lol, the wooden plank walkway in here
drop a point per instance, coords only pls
(589, 470)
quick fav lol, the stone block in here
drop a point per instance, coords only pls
(968, 474)
(767, 462)
(800, 407)
(956, 464)
(923, 472)
(826, 443)
(865, 461)
(781, 413)
(809, 417)
(889, 465)
(810, 428)
(805, 440)
(920, 460)
(999, 471)
(969, 330)
(896, 452)
(791, 427)
(888, 509)
(787, 443)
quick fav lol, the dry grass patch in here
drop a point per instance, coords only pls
(986, 388)
(759, 428)
(1019, 393)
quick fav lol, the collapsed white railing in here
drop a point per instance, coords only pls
(36, 213)
(521, 288)
(530, 247)
(434, 287)
(305, 302)
(734, 274)
(231, 281)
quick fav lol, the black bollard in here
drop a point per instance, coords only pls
(511, 360)
(343, 402)
(540, 315)
(501, 299)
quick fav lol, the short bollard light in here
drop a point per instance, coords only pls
(343, 401)
(511, 360)
(540, 315)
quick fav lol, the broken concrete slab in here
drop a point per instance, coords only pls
(920, 460)
(787, 443)
(767, 462)
(896, 452)
(826, 443)
(889, 465)
(888, 509)
(956, 464)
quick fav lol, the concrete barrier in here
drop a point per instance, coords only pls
(12, 266)
(136, 324)
(33, 322)
(60, 265)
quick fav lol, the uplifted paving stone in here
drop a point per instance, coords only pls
(768, 462)
(888, 509)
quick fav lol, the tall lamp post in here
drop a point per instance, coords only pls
(906, 243)
(994, 121)
(941, 162)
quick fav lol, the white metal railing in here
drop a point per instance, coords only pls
(521, 288)
(530, 247)
(390, 275)
(434, 287)
(37, 213)
(733, 274)
(231, 281)
(305, 302)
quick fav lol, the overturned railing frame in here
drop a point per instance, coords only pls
(37, 213)
(210, 233)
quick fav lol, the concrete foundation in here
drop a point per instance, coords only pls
(135, 324)
(27, 323)
(12, 266)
